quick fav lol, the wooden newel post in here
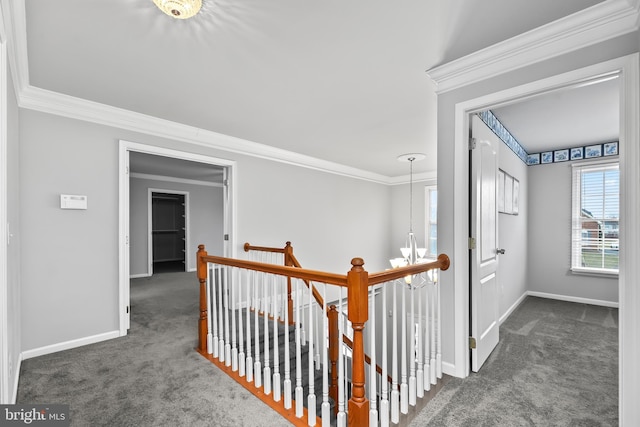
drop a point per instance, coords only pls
(334, 348)
(357, 291)
(288, 261)
(202, 321)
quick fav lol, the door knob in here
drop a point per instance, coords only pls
(500, 251)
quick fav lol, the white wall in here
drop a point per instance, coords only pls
(512, 236)
(550, 239)
(205, 222)
(70, 286)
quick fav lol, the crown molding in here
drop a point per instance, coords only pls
(80, 109)
(603, 21)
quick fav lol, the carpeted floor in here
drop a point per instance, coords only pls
(556, 365)
(151, 377)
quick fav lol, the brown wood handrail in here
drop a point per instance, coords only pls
(248, 247)
(282, 270)
(441, 263)
(349, 343)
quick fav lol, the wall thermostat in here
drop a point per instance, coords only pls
(70, 201)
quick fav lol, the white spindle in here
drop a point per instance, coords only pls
(438, 326)
(311, 397)
(342, 415)
(265, 321)
(241, 354)
(277, 392)
(373, 389)
(249, 363)
(209, 325)
(326, 407)
(419, 372)
(257, 366)
(232, 309)
(227, 327)
(404, 387)
(427, 340)
(432, 373)
(214, 314)
(220, 314)
(384, 401)
(287, 362)
(395, 392)
(298, 391)
(412, 352)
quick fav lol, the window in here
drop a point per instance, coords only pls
(595, 218)
(431, 209)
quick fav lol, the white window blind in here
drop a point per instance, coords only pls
(595, 217)
(431, 209)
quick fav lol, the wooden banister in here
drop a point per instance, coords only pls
(358, 303)
(202, 320)
(357, 282)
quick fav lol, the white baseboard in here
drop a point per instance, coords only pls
(449, 369)
(138, 276)
(515, 305)
(53, 348)
(574, 299)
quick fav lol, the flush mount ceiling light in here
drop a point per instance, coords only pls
(180, 9)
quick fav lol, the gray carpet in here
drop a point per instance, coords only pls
(556, 365)
(152, 377)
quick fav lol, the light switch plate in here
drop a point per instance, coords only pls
(70, 201)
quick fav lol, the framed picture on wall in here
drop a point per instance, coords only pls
(501, 176)
(576, 153)
(508, 194)
(592, 151)
(611, 149)
(516, 197)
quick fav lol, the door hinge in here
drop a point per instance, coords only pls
(226, 237)
(127, 309)
(472, 343)
(472, 243)
(472, 143)
(225, 182)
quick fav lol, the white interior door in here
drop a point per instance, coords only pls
(484, 292)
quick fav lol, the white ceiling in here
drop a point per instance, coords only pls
(339, 81)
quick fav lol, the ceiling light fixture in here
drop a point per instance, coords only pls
(411, 253)
(179, 9)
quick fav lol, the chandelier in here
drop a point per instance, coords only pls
(179, 9)
(411, 253)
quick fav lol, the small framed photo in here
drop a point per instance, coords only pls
(516, 197)
(592, 151)
(611, 149)
(547, 157)
(577, 153)
(561, 155)
(501, 177)
(533, 159)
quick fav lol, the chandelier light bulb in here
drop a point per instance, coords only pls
(179, 9)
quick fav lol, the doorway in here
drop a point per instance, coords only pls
(168, 231)
(227, 212)
(628, 69)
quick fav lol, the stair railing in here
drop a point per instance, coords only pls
(268, 292)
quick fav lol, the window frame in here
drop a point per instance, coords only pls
(577, 229)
